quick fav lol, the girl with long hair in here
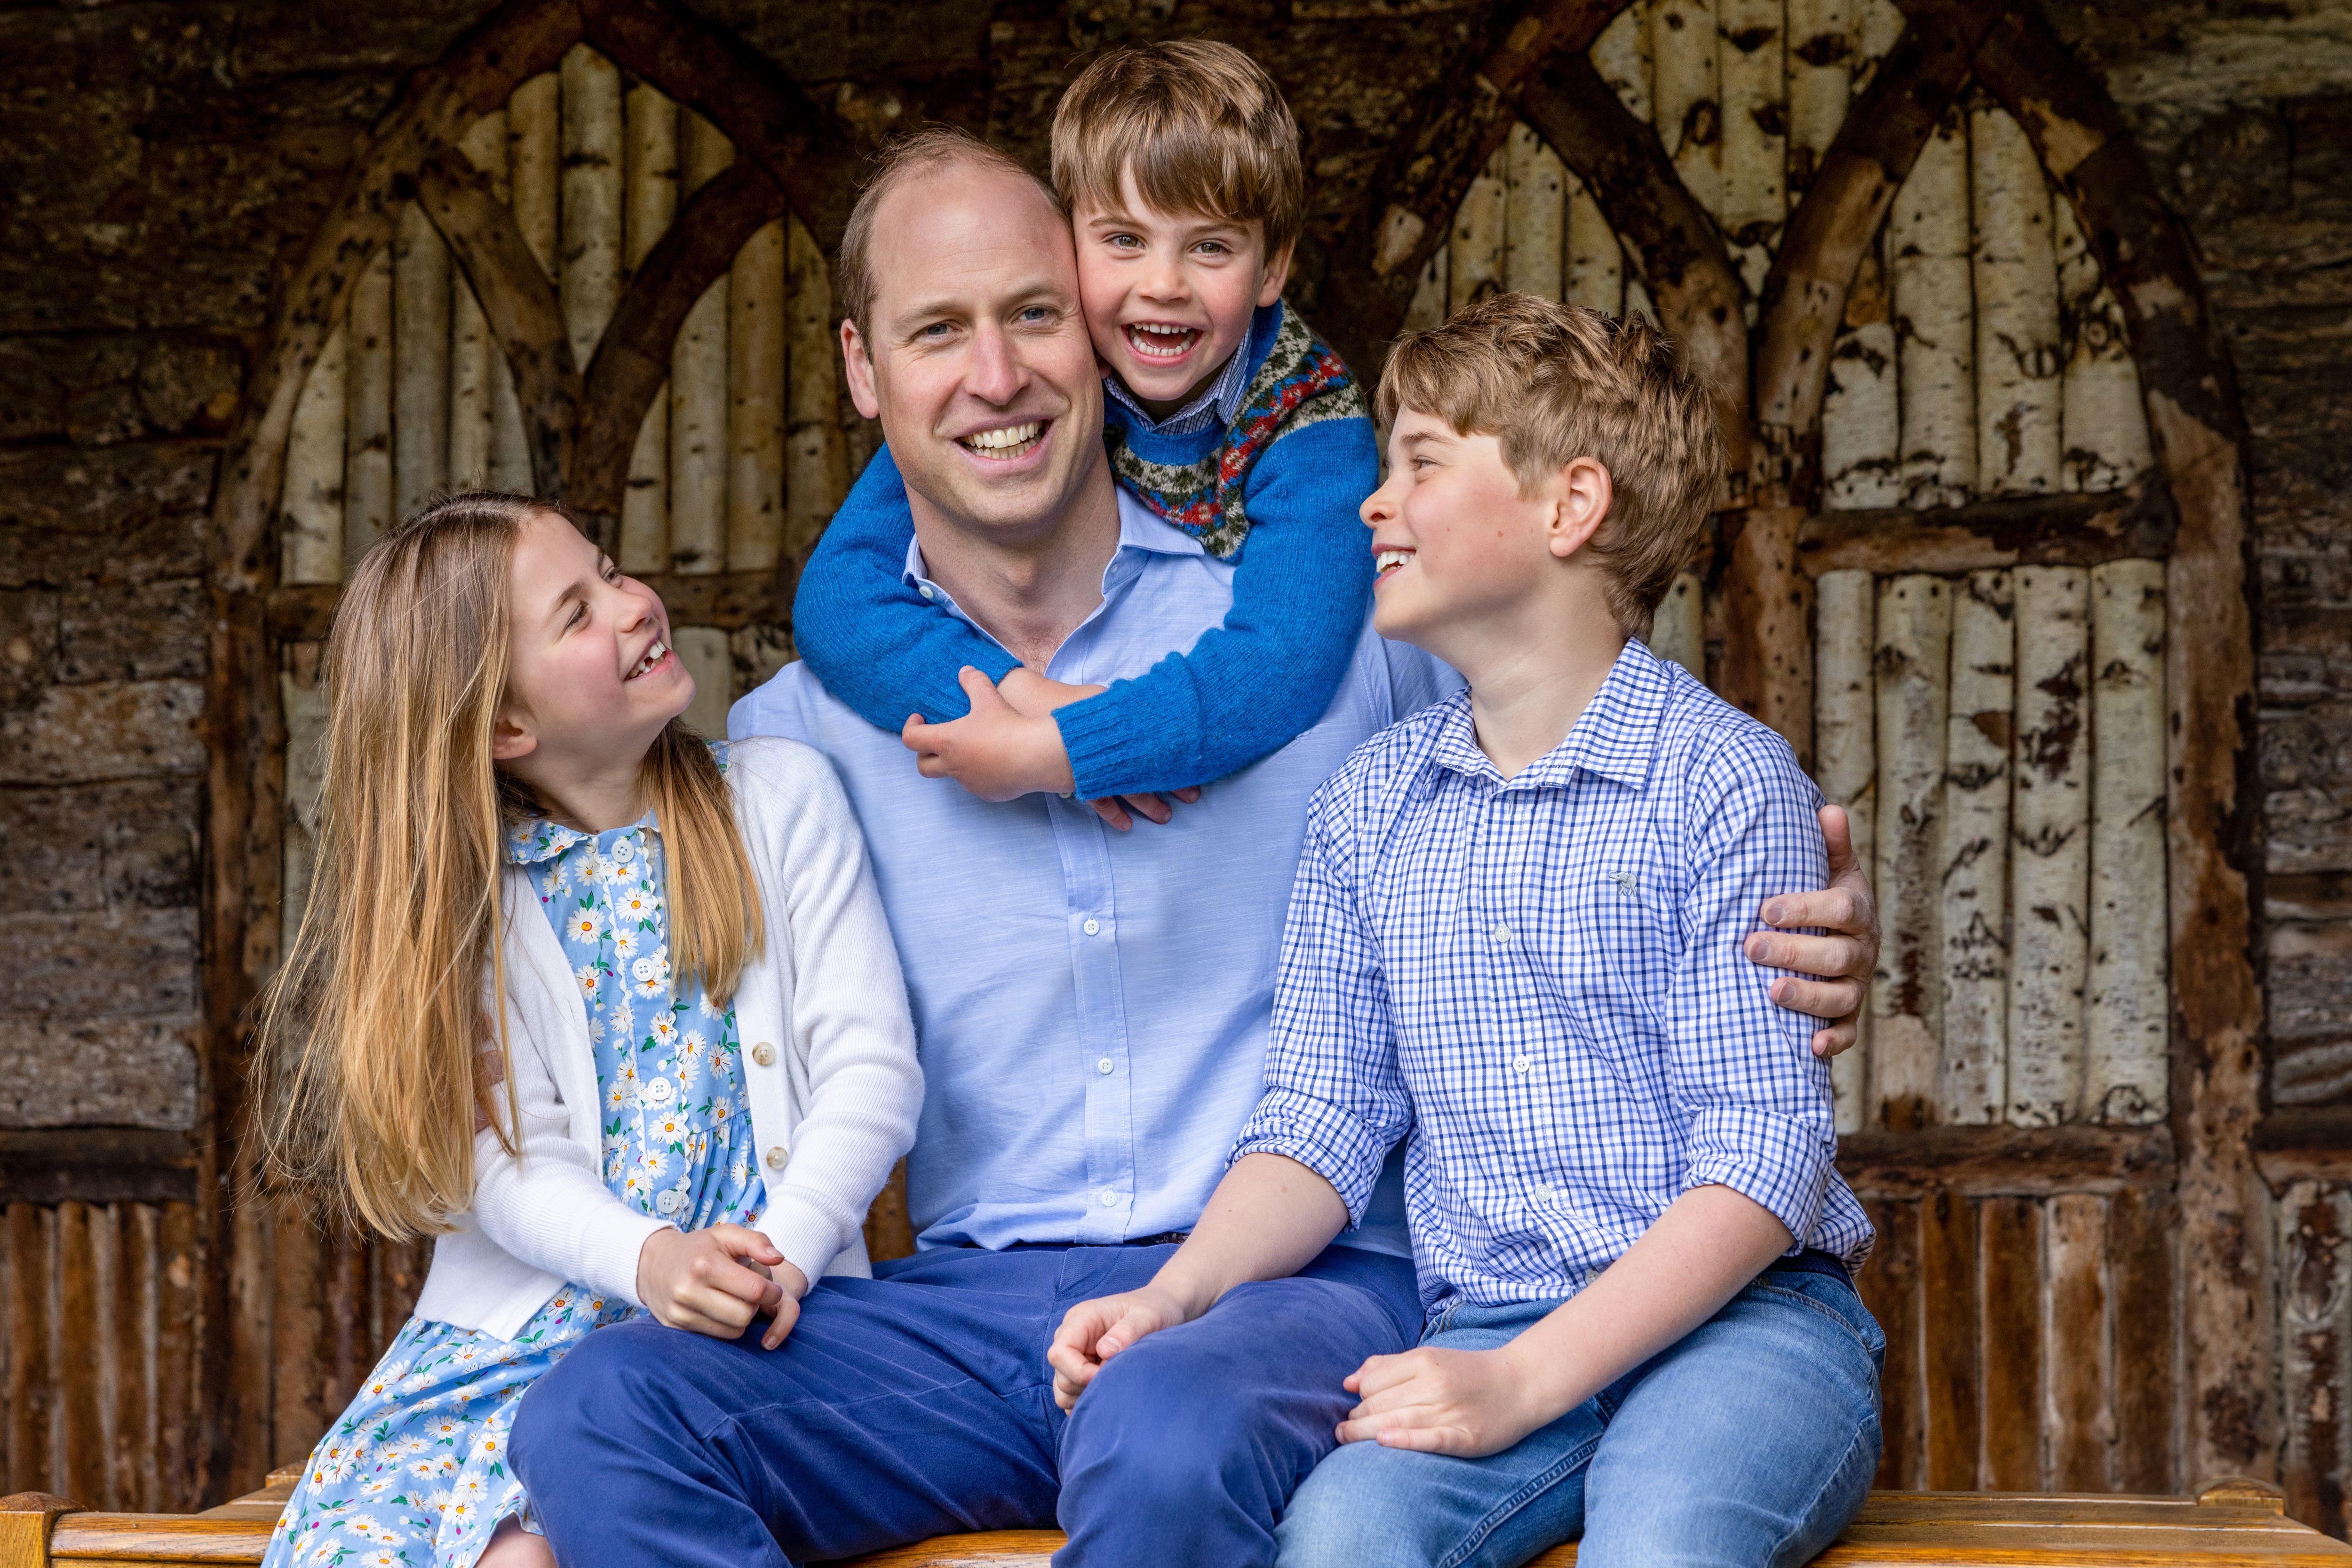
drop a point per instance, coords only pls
(610, 1011)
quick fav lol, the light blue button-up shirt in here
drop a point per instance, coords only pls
(1093, 1004)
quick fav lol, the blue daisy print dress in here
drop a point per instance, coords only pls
(415, 1471)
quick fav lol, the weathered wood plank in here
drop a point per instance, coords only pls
(179, 1256)
(1913, 663)
(311, 510)
(1928, 264)
(2142, 1233)
(297, 1336)
(2015, 275)
(368, 505)
(420, 361)
(756, 328)
(1975, 852)
(32, 1390)
(2315, 1295)
(1889, 1285)
(1845, 724)
(136, 1472)
(1535, 214)
(697, 387)
(2012, 1161)
(80, 1341)
(652, 202)
(1952, 1335)
(2127, 1015)
(816, 466)
(1474, 269)
(2080, 1346)
(589, 108)
(2049, 859)
(2050, 530)
(2010, 1243)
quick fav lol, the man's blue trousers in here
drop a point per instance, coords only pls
(918, 1403)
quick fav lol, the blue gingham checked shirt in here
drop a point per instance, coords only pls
(1537, 983)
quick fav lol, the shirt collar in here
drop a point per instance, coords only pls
(1614, 737)
(538, 838)
(1220, 402)
(1142, 531)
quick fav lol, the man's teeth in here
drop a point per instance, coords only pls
(652, 657)
(1153, 341)
(1387, 560)
(1011, 441)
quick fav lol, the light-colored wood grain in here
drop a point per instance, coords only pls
(1862, 411)
(1912, 664)
(1687, 104)
(1820, 61)
(535, 165)
(367, 407)
(1430, 305)
(420, 361)
(1678, 632)
(1976, 851)
(2127, 1013)
(475, 361)
(697, 387)
(2049, 851)
(1876, 25)
(1927, 268)
(1535, 214)
(1476, 246)
(1622, 55)
(703, 651)
(756, 328)
(2105, 424)
(1752, 57)
(594, 168)
(2019, 365)
(311, 541)
(651, 201)
(816, 468)
(1596, 257)
(1845, 723)
(2079, 1350)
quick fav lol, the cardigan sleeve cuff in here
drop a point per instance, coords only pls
(809, 1238)
(610, 1254)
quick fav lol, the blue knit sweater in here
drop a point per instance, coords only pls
(1245, 688)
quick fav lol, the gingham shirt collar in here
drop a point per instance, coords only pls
(1614, 738)
(1219, 403)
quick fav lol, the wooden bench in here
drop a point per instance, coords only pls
(2231, 1522)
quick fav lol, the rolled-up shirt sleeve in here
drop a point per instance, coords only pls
(1742, 1067)
(1334, 1098)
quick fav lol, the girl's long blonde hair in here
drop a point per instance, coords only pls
(368, 1080)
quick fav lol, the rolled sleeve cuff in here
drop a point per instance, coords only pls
(1781, 1162)
(1328, 1139)
(809, 1238)
(612, 1255)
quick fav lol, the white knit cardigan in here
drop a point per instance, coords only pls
(828, 1058)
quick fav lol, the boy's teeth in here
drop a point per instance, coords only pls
(1387, 559)
(1153, 341)
(1009, 442)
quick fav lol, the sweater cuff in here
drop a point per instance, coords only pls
(1110, 755)
(808, 1237)
(611, 1252)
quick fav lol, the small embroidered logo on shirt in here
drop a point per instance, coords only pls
(1628, 884)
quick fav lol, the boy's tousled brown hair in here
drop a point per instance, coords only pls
(1201, 126)
(1554, 382)
(915, 152)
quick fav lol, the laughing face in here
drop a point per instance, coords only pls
(1169, 296)
(977, 363)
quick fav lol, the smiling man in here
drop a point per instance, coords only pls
(1093, 1007)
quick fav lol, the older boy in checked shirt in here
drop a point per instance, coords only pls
(1515, 943)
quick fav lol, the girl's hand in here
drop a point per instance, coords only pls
(1465, 1403)
(1094, 1331)
(701, 1280)
(787, 1312)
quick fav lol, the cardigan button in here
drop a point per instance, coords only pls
(776, 1158)
(764, 1053)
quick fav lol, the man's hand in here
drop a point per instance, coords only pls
(1094, 1331)
(1469, 1404)
(995, 751)
(715, 1280)
(1844, 960)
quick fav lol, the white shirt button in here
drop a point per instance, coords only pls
(1501, 933)
(1110, 1198)
(1522, 1062)
(658, 1090)
(776, 1158)
(930, 592)
(1106, 1065)
(1543, 1192)
(669, 1201)
(1092, 927)
(643, 969)
(764, 1053)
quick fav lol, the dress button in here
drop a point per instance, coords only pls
(643, 969)
(669, 1201)
(764, 1053)
(1522, 1062)
(930, 592)
(1106, 1065)
(658, 1091)
(1110, 1198)
(621, 850)
(776, 1158)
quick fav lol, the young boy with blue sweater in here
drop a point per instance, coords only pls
(1179, 166)
(1514, 944)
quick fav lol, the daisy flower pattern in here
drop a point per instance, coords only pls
(414, 1475)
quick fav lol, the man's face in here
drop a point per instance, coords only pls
(978, 364)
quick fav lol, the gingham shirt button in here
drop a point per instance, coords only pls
(1522, 1062)
(1501, 933)
(1543, 1192)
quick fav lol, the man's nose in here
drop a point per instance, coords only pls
(995, 372)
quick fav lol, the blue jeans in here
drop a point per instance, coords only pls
(918, 1403)
(1753, 1440)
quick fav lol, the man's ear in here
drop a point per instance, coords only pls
(1583, 495)
(508, 739)
(859, 370)
(1278, 273)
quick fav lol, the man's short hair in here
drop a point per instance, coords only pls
(1554, 382)
(915, 152)
(1203, 129)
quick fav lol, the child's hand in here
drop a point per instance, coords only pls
(787, 1312)
(1094, 1331)
(714, 1280)
(1034, 695)
(995, 751)
(1469, 1404)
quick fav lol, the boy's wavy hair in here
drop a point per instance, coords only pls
(1554, 382)
(369, 1078)
(1199, 124)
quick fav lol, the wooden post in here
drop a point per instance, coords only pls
(509, 465)
(755, 403)
(816, 469)
(2011, 1231)
(1622, 55)
(1430, 305)
(1876, 25)
(420, 362)
(1862, 414)
(475, 362)
(1975, 852)
(1687, 106)
(2126, 1020)
(1596, 261)
(367, 405)
(703, 651)
(2105, 425)
(1476, 245)
(1914, 632)
(1821, 62)
(310, 540)
(535, 163)
(594, 170)
(1927, 245)
(698, 389)
(1535, 213)
(2050, 867)
(1753, 60)
(1768, 658)
(2016, 276)
(1845, 703)
(1678, 632)
(2080, 1349)
(651, 201)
